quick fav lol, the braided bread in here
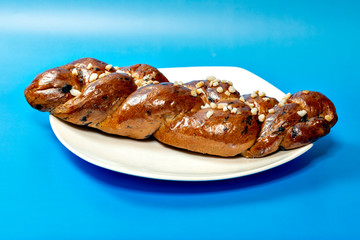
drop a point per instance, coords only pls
(208, 116)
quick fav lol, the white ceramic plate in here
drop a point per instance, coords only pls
(149, 158)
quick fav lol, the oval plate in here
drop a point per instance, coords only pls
(152, 159)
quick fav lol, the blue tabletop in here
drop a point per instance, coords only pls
(46, 192)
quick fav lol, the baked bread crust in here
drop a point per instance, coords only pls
(206, 116)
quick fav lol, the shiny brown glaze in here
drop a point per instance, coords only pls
(273, 130)
(200, 116)
(139, 71)
(147, 108)
(262, 104)
(287, 129)
(97, 100)
(222, 134)
(50, 89)
(210, 94)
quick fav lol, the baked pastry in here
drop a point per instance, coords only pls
(207, 116)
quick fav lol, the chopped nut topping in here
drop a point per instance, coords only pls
(250, 104)
(155, 82)
(302, 113)
(232, 89)
(138, 82)
(261, 118)
(193, 93)
(102, 75)
(227, 93)
(253, 95)
(117, 68)
(287, 96)
(90, 66)
(230, 83)
(254, 111)
(229, 107)
(234, 110)
(149, 76)
(199, 84)
(266, 99)
(283, 101)
(328, 118)
(262, 94)
(281, 104)
(200, 91)
(256, 91)
(271, 110)
(93, 77)
(74, 72)
(210, 78)
(209, 114)
(225, 108)
(220, 90)
(242, 99)
(205, 106)
(222, 105)
(75, 92)
(108, 67)
(223, 81)
(306, 91)
(213, 105)
(215, 84)
(120, 71)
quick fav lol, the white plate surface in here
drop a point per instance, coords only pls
(149, 158)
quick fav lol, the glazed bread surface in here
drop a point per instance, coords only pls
(206, 116)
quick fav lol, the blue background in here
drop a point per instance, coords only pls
(46, 192)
